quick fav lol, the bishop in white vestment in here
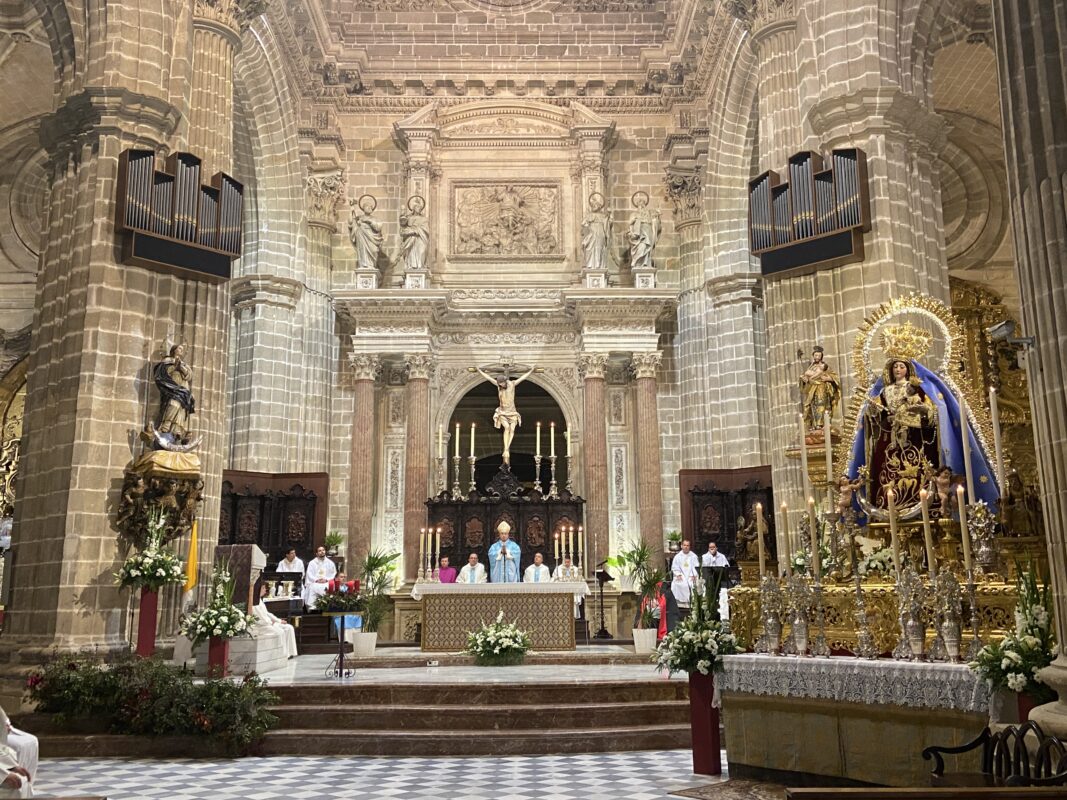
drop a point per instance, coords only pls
(686, 569)
(472, 571)
(320, 572)
(537, 572)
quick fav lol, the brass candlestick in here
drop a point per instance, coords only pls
(472, 488)
(569, 485)
(456, 493)
(537, 472)
(553, 491)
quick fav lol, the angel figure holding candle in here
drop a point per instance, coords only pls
(821, 391)
(909, 428)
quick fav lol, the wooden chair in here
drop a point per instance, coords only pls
(1022, 756)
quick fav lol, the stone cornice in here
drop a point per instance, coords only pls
(740, 287)
(879, 110)
(249, 291)
(621, 307)
(139, 119)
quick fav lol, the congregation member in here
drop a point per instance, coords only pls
(320, 571)
(472, 571)
(537, 572)
(659, 604)
(446, 573)
(504, 557)
(268, 622)
(291, 563)
(686, 571)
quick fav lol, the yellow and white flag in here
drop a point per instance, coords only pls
(191, 568)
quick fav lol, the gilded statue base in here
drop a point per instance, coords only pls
(160, 480)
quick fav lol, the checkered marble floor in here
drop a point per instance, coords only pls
(607, 776)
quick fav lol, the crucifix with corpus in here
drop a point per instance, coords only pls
(506, 417)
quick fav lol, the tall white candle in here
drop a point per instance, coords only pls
(803, 452)
(892, 498)
(965, 429)
(829, 445)
(759, 537)
(965, 533)
(537, 448)
(567, 436)
(581, 535)
(928, 534)
(783, 537)
(816, 562)
(556, 537)
(998, 442)
(552, 440)
(457, 440)
(437, 547)
(473, 426)
(422, 547)
(570, 541)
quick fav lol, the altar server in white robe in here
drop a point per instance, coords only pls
(25, 745)
(537, 572)
(320, 572)
(472, 571)
(686, 569)
(267, 621)
(568, 573)
(504, 557)
(291, 563)
(713, 558)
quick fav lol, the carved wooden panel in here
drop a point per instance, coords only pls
(275, 512)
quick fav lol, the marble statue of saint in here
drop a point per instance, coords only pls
(366, 233)
(643, 232)
(506, 417)
(821, 391)
(174, 379)
(596, 234)
(414, 235)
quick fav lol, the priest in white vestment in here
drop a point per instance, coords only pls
(686, 570)
(269, 622)
(713, 558)
(472, 571)
(320, 572)
(568, 573)
(504, 557)
(291, 563)
(537, 572)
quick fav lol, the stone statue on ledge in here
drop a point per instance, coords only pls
(596, 235)
(414, 236)
(365, 233)
(821, 391)
(643, 234)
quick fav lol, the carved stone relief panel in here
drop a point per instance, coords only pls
(618, 476)
(394, 479)
(396, 409)
(617, 408)
(506, 220)
(394, 534)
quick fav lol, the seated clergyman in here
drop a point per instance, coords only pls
(566, 571)
(270, 624)
(291, 563)
(472, 571)
(537, 572)
(320, 572)
(446, 573)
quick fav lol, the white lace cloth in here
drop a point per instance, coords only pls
(851, 680)
(577, 588)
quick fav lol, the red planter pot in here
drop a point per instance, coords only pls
(146, 623)
(218, 657)
(704, 721)
(1026, 705)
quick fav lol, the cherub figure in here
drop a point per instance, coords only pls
(846, 491)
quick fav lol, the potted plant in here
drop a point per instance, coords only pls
(332, 542)
(674, 541)
(219, 622)
(649, 612)
(378, 573)
(150, 570)
(498, 644)
(1015, 662)
(632, 565)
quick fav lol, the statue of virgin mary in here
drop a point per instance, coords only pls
(909, 427)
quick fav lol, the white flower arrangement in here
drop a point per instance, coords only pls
(153, 567)
(498, 643)
(697, 644)
(221, 617)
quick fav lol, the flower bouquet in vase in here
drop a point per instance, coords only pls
(219, 622)
(498, 644)
(150, 570)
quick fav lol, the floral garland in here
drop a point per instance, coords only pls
(498, 643)
(153, 567)
(802, 557)
(221, 618)
(341, 599)
(1015, 661)
(697, 644)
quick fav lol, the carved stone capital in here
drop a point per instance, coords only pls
(141, 120)
(758, 15)
(877, 111)
(685, 190)
(249, 291)
(644, 365)
(592, 365)
(233, 14)
(365, 366)
(324, 193)
(420, 366)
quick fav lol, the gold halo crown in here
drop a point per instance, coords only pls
(905, 342)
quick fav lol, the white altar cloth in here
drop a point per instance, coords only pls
(578, 588)
(853, 680)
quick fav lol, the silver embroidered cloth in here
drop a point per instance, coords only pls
(850, 680)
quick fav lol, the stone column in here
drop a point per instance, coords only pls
(361, 473)
(420, 367)
(591, 368)
(649, 481)
(1031, 42)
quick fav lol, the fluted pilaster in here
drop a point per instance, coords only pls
(365, 370)
(420, 367)
(591, 367)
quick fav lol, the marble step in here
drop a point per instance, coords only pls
(457, 694)
(544, 741)
(461, 660)
(468, 717)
